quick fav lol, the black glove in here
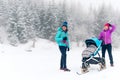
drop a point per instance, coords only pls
(68, 49)
(110, 25)
(65, 38)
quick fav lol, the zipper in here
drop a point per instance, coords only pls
(105, 37)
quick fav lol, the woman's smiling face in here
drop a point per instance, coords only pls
(64, 28)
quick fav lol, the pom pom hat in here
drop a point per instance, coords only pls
(65, 24)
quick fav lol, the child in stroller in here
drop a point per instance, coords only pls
(93, 45)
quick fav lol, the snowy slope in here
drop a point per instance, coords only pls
(42, 63)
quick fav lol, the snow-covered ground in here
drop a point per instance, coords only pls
(42, 63)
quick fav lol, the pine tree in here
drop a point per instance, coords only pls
(102, 16)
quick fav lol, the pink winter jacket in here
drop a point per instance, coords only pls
(105, 35)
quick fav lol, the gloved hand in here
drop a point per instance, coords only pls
(65, 38)
(110, 25)
(68, 49)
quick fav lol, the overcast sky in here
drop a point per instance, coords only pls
(87, 3)
(94, 3)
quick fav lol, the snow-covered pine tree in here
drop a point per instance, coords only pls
(12, 22)
(101, 17)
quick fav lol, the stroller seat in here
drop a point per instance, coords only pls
(89, 50)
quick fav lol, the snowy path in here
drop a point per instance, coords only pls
(43, 63)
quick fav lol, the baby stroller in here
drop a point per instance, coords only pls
(93, 46)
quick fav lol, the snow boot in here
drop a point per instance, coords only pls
(111, 65)
(66, 69)
(61, 68)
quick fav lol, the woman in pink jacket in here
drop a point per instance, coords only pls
(105, 36)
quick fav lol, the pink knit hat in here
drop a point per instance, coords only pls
(107, 24)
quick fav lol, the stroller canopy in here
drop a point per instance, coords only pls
(95, 41)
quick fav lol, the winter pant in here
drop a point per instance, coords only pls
(107, 47)
(63, 56)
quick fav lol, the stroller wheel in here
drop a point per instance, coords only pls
(85, 65)
(88, 65)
